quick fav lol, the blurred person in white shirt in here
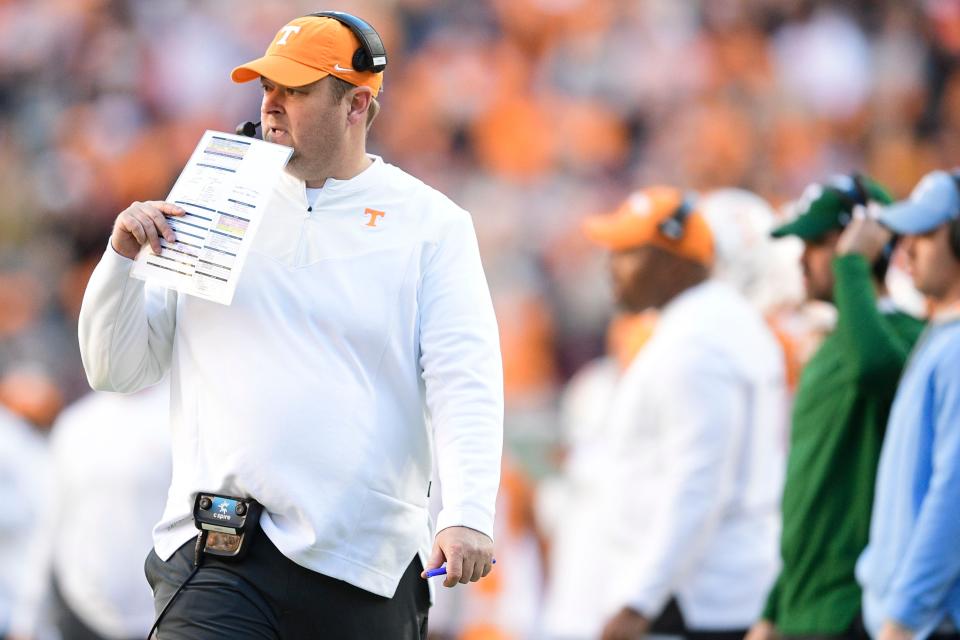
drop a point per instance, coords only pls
(111, 458)
(566, 504)
(25, 496)
(766, 271)
(687, 522)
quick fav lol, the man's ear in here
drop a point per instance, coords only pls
(360, 101)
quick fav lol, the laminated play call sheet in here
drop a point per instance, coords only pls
(223, 189)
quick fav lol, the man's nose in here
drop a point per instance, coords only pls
(907, 245)
(272, 101)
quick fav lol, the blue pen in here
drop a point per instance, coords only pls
(442, 571)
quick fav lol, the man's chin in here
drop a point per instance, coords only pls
(283, 139)
(634, 306)
(820, 296)
(294, 162)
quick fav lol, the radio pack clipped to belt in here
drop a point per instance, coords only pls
(227, 528)
(231, 523)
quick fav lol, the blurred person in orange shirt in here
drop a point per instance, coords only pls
(685, 537)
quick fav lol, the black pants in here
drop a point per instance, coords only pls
(267, 596)
(671, 622)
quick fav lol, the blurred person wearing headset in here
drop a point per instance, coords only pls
(686, 539)
(746, 258)
(910, 569)
(361, 334)
(839, 414)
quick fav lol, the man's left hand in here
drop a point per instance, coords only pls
(626, 625)
(894, 631)
(467, 552)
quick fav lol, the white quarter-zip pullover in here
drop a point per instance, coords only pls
(354, 326)
(695, 466)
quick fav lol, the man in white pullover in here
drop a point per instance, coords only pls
(687, 523)
(362, 317)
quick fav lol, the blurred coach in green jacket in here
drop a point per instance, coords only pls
(839, 415)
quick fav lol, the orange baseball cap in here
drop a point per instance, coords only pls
(307, 49)
(637, 222)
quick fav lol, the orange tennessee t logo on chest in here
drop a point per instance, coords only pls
(374, 214)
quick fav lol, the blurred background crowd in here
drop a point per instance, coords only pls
(531, 114)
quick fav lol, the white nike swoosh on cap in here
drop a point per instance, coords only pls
(337, 67)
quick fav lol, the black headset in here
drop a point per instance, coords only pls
(854, 193)
(955, 223)
(371, 56)
(675, 225)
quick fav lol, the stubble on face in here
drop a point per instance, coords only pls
(817, 265)
(649, 277)
(312, 123)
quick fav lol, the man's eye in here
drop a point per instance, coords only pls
(292, 92)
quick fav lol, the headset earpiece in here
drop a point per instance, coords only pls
(863, 196)
(360, 61)
(372, 55)
(853, 194)
(675, 224)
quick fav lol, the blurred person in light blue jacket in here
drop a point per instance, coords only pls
(910, 570)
